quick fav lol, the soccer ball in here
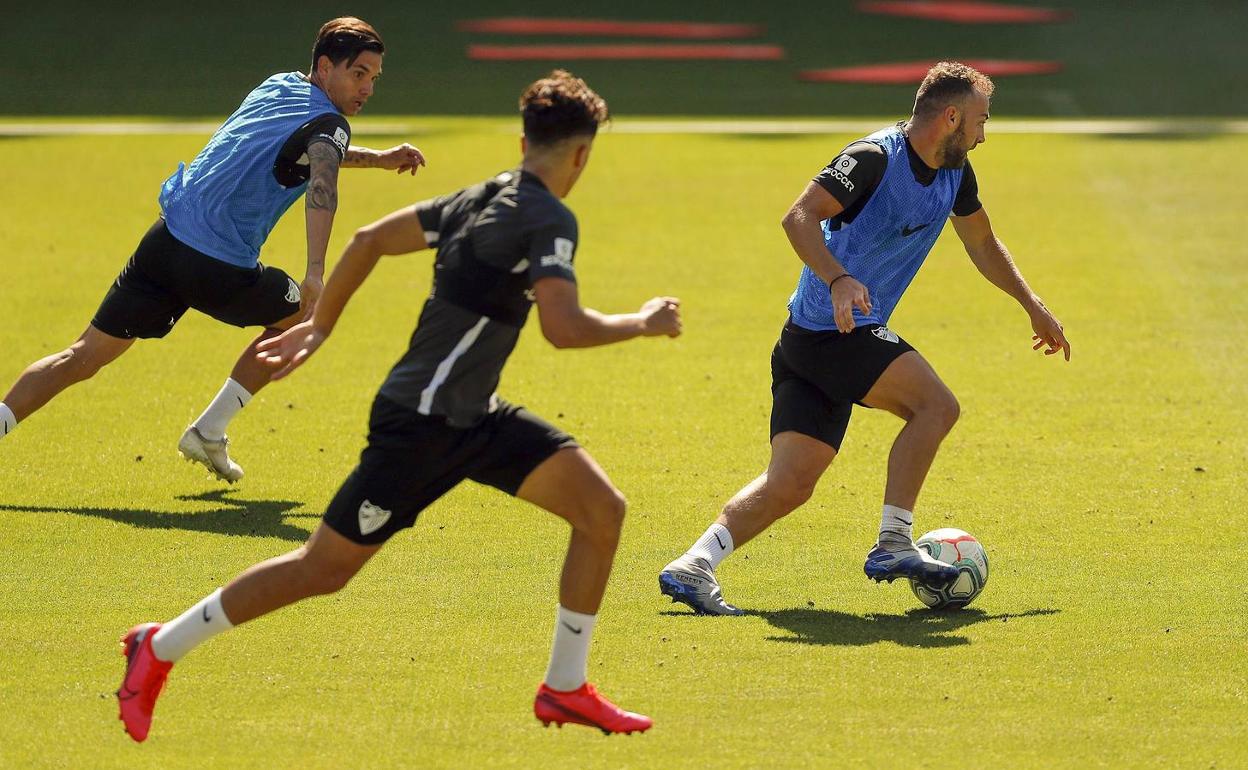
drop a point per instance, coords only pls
(953, 546)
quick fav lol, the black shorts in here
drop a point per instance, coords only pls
(817, 377)
(164, 277)
(412, 459)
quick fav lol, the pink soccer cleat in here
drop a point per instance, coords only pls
(144, 679)
(584, 706)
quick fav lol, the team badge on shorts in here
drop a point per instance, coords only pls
(292, 291)
(372, 518)
(886, 334)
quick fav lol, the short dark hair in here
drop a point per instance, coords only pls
(948, 82)
(560, 106)
(345, 38)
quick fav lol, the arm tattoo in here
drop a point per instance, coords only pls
(360, 157)
(323, 184)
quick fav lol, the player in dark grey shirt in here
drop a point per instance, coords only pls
(495, 240)
(503, 246)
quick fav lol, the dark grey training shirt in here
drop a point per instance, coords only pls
(494, 241)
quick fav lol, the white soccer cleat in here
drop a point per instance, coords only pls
(690, 580)
(213, 455)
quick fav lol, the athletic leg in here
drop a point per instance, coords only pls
(807, 426)
(47, 377)
(136, 305)
(248, 371)
(910, 389)
(321, 566)
(797, 463)
(572, 486)
(204, 441)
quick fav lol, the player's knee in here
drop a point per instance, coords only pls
(605, 516)
(322, 577)
(333, 579)
(789, 490)
(946, 411)
(81, 362)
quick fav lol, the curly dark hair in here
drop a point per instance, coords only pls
(345, 38)
(948, 82)
(560, 106)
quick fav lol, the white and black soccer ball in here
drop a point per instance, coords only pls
(962, 550)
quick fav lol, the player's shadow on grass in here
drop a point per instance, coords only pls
(915, 628)
(244, 518)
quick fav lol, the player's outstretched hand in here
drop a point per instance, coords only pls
(1048, 332)
(309, 292)
(288, 350)
(662, 316)
(847, 294)
(403, 157)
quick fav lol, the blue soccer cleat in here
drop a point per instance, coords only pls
(906, 561)
(690, 580)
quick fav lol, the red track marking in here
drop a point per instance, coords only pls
(660, 51)
(906, 73)
(966, 12)
(602, 28)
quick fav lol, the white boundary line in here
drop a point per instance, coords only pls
(1159, 127)
(1006, 126)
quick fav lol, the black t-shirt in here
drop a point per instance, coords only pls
(494, 241)
(520, 227)
(292, 168)
(865, 177)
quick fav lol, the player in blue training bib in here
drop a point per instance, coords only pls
(863, 228)
(289, 136)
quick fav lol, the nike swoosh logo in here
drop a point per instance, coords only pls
(553, 703)
(903, 521)
(722, 547)
(907, 231)
(207, 617)
(570, 628)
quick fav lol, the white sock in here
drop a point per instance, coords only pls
(229, 401)
(895, 523)
(714, 545)
(7, 421)
(569, 655)
(198, 624)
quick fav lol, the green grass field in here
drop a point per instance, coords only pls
(1109, 491)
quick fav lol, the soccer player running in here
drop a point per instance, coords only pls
(863, 228)
(289, 135)
(501, 246)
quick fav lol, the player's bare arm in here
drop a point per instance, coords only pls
(320, 206)
(397, 233)
(401, 158)
(568, 325)
(994, 262)
(802, 226)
